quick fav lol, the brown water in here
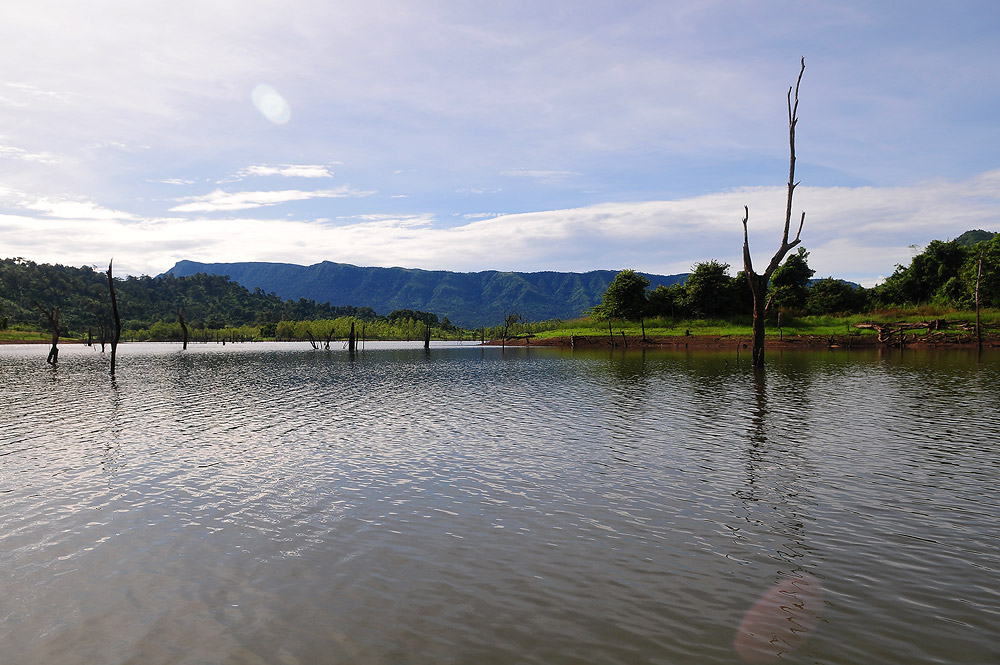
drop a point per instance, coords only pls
(273, 504)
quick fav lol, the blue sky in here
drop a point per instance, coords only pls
(563, 135)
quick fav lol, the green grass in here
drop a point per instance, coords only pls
(23, 335)
(823, 326)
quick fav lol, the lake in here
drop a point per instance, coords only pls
(268, 503)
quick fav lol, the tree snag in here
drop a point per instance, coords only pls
(116, 329)
(979, 327)
(184, 328)
(53, 316)
(759, 283)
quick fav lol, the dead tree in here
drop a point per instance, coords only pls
(509, 320)
(116, 327)
(101, 318)
(979, 327)
(759, 283)
(53, 316)
(184, 328)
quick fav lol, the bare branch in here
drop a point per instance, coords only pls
(759, 282)
(802, 221)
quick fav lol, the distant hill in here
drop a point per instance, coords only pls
(467, 299)
(970, 238)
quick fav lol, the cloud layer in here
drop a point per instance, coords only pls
(517, 135)
(853, 233)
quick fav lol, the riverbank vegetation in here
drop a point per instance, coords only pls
(939, 291)
(938, 285)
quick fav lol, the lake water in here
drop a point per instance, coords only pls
(267, 503)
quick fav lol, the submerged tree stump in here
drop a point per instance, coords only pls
(53, 316)
(116, 331)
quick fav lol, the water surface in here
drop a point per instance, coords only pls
(267, 503)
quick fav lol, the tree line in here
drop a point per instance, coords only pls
(945, 274)
(150, 305)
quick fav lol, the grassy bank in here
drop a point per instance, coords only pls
(958, 324)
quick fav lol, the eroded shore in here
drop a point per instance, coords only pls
(724, 342)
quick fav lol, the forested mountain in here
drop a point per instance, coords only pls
(945, 273)
(467, 299)
(81, 294)
(970, 238)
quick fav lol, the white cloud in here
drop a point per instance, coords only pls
(220, 200)
(852, 233)
(70, 209)
(13, 152)
(287, 170)
(540, 175)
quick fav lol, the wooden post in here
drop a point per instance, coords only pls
(427, 337)
(624, 341)
(351, 341)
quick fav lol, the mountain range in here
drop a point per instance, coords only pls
(468, 299)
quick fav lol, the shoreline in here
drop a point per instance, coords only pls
(724, 342)
(703, 342)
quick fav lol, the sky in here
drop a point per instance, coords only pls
(566, 135)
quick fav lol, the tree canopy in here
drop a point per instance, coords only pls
(625, 297)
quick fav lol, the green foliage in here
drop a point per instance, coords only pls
(834, 296)
(925, 279)
(963, 286)
(974, 237)
(428, 318)
(668, 301)
(468, 299)
(625, 297)
(210, 301)
(789, 286)
(709, 290)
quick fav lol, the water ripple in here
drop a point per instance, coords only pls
(268, 503)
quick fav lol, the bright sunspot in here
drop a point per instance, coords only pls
(271, 104)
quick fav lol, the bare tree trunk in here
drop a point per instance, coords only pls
(116, 331)
(759, 283)
(101, 317)
(979, 328)
(184, 328)
(53, 317)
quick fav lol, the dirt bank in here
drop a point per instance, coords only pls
(743, 342)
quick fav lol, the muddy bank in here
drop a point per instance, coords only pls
(725, 342)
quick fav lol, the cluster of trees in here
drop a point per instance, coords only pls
(149, 305)
(943, 274)
(412, 327)
(946, 273)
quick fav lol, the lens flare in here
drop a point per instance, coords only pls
(780, 621)
(271, 104)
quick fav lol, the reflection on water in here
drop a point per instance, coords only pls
(274, 504)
